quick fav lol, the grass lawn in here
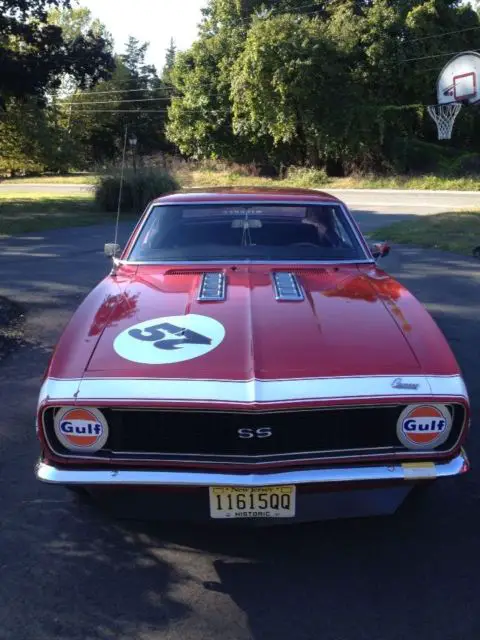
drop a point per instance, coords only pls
(22, 212)
(204, 177)
(458, 231)
(194, 175)
(429, 183)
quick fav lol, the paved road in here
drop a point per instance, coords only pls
(371, 206)
(42, 187)
(70, 573)
(393, 201)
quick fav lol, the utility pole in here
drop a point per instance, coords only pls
(133, 145)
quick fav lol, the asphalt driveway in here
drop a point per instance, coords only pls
(70, 573)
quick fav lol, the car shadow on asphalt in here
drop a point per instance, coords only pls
(389, 577)
(87, 579)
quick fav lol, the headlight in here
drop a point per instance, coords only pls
(81, 429)
(424, 426)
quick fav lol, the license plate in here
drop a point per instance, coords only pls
(252, 502)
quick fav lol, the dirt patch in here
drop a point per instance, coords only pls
(12, 317)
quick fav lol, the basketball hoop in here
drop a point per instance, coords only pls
(444, 116)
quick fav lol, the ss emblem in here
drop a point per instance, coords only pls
(263, 432)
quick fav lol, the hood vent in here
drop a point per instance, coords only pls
(212, 287)
(183, 272)
(286, 286)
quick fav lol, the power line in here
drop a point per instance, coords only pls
(438, 55)
(437, 69)
(137, 111)
(94, 94)
(81, 103)
(97, 93)
(440, 35)
(187, 110)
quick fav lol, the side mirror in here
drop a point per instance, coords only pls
(112, 250)
(379, 250)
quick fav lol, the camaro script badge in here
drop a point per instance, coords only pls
(170, 339)
(399, 384)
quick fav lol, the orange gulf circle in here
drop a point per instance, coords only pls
(424, 411)
(83, 415)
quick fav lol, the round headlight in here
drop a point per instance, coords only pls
(81, 429)
(424, 426)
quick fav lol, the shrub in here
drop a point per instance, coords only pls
(139, 188)
(247, 170)
(410, 156)
(466, 165)
(306, 176)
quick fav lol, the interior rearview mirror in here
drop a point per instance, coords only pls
(112, 250)
(379, 249)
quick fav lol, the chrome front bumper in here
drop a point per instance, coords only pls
(332, 475)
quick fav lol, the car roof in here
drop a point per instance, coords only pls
(240, 194)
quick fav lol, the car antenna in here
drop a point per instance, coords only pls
(120, 190)
(122, 174)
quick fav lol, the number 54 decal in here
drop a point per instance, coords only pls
(157, 335)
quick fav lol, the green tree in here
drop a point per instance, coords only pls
(200, 121)
(34, 54)
(77, 23)
(289, 86)
(170, 56)
(44, 43)
(339, 82)
(134, 96)
(24, 133)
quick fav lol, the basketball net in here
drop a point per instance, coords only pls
(444, 116)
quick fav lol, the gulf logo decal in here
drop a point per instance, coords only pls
(81, 429)
(424, 426)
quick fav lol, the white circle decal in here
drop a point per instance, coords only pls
(169, 340)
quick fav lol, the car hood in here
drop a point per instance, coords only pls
(345, 325)
(144, 336)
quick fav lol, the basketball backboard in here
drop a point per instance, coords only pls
(458, 84)
(459, 80)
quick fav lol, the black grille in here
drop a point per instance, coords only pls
(214, 436)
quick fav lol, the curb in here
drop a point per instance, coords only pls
(405, 191)
(52, 185)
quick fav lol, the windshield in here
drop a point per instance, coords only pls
(246, 232)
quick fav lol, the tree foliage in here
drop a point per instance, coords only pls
(133, 96)
(170, 56)
(46, 48)
(340, 85)
(35, 53)
(338, 82)
(200, 115)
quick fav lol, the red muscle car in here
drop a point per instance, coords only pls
(245, 358)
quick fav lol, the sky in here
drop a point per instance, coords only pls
(154, 21)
